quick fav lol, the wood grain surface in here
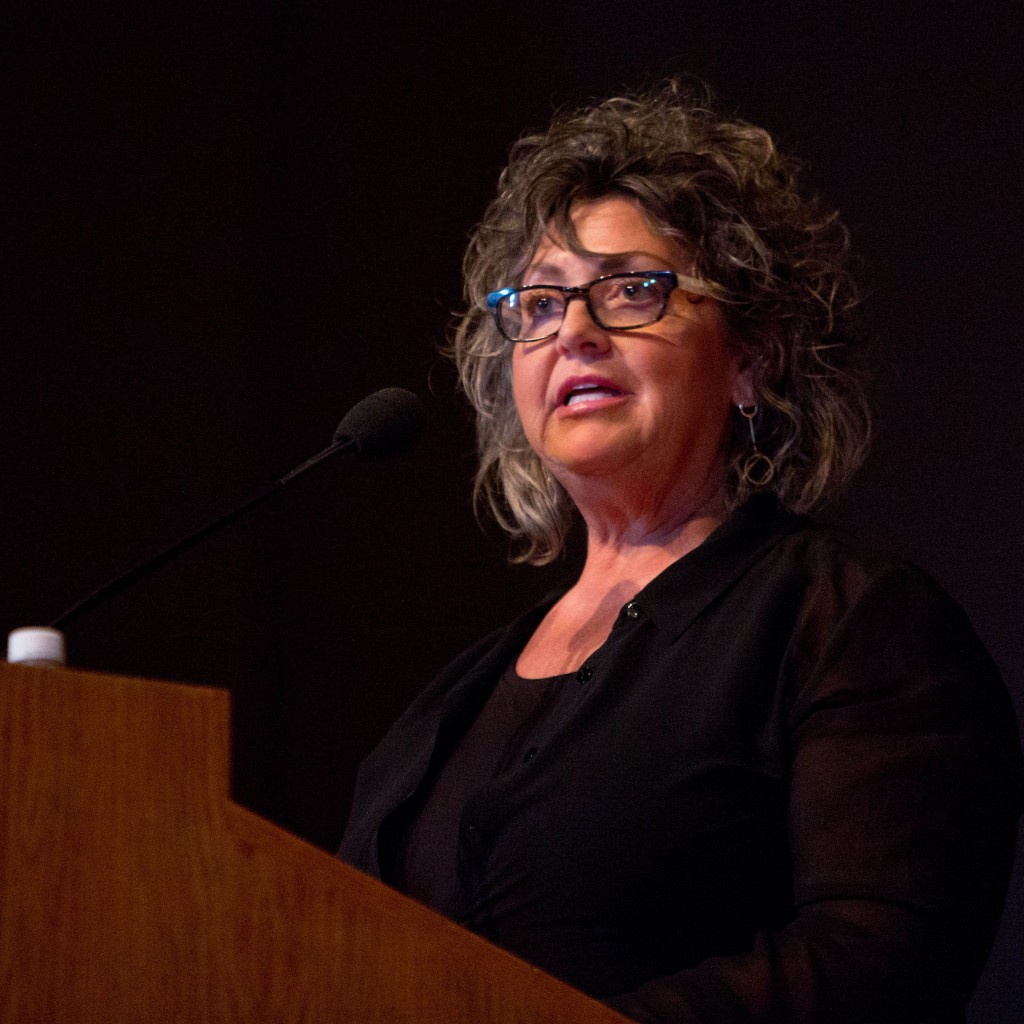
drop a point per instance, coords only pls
(133, 889)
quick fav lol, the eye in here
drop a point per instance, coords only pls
(632, 291)
(538, 304)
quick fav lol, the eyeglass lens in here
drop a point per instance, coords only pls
(618, 302)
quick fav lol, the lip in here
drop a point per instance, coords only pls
(588, 381)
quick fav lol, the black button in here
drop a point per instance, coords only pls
(530, 754)
(473, 835)
(585, 674)
(633, 610)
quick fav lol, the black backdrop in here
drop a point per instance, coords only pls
(195, 197)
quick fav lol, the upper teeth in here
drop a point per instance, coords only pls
(587, 393)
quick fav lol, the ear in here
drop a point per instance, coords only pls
(743, 392)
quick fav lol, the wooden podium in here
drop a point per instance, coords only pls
(133, 889)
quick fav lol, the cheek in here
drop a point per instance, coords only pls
(527, 387)
(694, 389)
(516, 373)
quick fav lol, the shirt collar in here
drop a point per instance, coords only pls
(675, 597)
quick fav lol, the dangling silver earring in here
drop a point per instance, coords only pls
(758, 469)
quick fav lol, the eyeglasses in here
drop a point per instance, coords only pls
(616, 302)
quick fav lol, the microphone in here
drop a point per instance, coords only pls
(383, 424)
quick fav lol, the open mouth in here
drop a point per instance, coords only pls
(589, 393)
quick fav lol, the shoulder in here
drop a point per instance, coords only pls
(841, 578)
(861, 621)
(851, 589)
(768, 565)
(876, 638)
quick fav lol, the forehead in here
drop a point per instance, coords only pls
(611, 234)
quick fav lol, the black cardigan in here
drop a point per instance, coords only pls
(785, 788)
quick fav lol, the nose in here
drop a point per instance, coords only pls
(578, 333)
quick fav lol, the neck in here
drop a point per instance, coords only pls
(633, 541)
(629, 542)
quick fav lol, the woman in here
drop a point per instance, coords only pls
(739, 771)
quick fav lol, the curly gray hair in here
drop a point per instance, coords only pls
(778, 262)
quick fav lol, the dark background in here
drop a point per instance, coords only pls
(198, 199)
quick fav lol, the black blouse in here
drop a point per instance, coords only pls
(500, 738)
(785, 788)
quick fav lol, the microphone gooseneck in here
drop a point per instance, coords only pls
(382, 424)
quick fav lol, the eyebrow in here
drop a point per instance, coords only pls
(605, 263)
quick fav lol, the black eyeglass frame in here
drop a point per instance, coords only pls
(666, 277)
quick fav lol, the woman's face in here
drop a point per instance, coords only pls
(648, 406)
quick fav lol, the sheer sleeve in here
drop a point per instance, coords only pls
(905, 792)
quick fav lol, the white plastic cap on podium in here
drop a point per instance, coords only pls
(36, 645)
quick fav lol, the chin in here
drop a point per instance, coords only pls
(592, 460)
